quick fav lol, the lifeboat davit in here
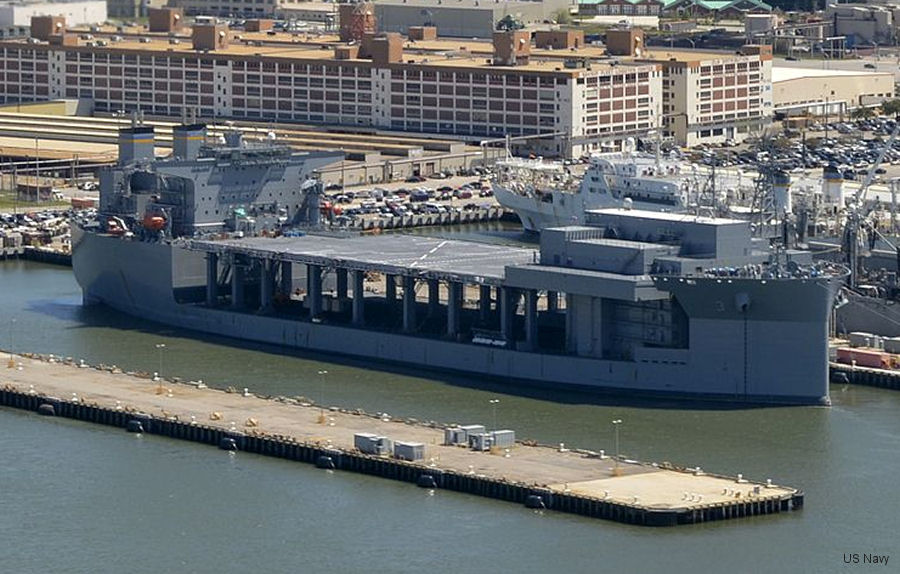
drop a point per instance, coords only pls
(154, 222)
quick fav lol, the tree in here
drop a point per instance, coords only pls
(891, 108)
(562, 16)
(862, 113)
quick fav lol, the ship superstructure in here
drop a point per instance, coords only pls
(548, 193)
(207, 187)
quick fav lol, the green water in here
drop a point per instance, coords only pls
(77, 498)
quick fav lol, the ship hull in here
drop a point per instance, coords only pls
(868, 314)
(142, 280)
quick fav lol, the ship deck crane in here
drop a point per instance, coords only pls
(858, 213)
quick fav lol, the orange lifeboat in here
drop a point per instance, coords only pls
(113, 227)
(154, 222)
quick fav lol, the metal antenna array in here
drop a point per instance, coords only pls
(707, 196)
(762, 205)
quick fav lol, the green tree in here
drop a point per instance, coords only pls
(891, 108)
(862, 113)
(562, 16)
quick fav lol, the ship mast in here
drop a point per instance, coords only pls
(658, 148)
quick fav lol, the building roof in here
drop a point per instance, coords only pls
(456, 4)
(719, 5)
(660, 2)
(784, 74)
(440, 53)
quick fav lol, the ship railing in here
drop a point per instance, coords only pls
(760, 272)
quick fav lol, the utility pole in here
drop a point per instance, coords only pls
(617, 471)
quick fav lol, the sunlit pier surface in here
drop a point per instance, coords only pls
(555, 478)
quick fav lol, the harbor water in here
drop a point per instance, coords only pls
(79, 498)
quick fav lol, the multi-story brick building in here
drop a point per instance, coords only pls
(710, 98)
(569, 100)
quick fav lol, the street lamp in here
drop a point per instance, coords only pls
(11, 364)
(159, 349)
(322, 396)
(616, 423)
(494, 403)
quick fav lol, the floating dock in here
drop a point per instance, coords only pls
(540, 477)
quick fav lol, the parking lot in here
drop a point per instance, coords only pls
(436, 195)
(851, 147)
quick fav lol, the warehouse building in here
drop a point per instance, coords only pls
(76, 12)
(801, 91)
(463, 18)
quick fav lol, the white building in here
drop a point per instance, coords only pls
(798, 91)
(76, 12)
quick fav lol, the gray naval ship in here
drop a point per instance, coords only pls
(634, 302)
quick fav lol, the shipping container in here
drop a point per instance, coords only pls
(455, 435)
(864, 358)
(892, 344)
(503, 438)
(409, 450)
(480, 441)
(371, 444)
(461, 434)
(861, 339)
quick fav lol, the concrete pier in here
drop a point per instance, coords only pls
(850, 374)
(575, 481)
